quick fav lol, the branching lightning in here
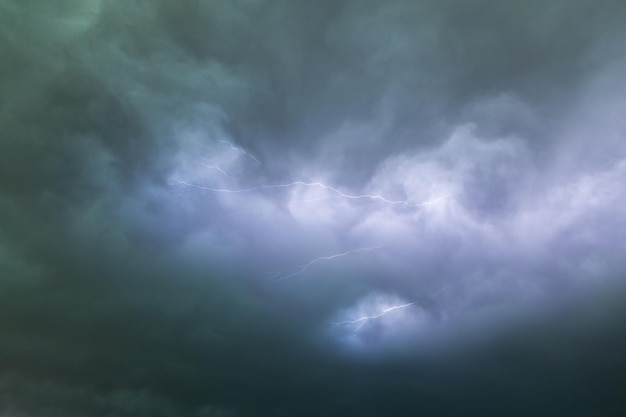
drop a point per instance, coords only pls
(240, 150)
(328, 192)
(300, 269)
(333, 192)
(338, 193)
(363, 320)
(218, 169)
(208, 163)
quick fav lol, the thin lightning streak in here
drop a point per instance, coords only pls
(220, 170)
(297, 270)
(442, 289)
(177, 181)
(362, 321)
(240, 150)
(208, 164)
(330, 188)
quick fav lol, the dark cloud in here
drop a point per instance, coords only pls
(278, 208)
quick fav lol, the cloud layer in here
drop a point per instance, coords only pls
(278, 208)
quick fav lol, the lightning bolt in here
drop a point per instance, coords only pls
(240, 150)
(220, 170)
(207, 163)
(363, 320)
(297, 270)
(359, 322)
(338, 193)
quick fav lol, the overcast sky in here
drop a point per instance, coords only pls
(258, 208)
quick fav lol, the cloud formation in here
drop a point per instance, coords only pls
(280, 207)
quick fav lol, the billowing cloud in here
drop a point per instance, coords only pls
(277, 208)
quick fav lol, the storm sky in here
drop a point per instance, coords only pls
(234, 208)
